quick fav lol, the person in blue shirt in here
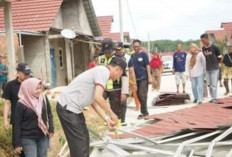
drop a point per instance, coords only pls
(3, 74)
(179, 59)
(141, 65)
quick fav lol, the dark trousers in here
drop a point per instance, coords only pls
(123, 115)
(75, 131)
(115, 101)
(142, 86)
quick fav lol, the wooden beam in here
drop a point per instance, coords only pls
(55, 36)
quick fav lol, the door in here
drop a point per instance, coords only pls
(53, 68)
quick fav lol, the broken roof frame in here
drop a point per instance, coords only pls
(208, 138)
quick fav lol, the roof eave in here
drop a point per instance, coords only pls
(92, 17)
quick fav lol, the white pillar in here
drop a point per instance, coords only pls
(121, 21)
(68, 60)
(10, 40)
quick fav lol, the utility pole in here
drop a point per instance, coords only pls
(120, 21)
(149, 47)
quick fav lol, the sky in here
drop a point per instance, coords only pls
(166, 19)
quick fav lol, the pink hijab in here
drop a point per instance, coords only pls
(27, 97)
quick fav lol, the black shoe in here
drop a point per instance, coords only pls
(123, 124)
(213, 101)
(141, 116)
(199, 102)
(195, 101)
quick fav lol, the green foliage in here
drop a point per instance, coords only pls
(222, 45)
(169, 45)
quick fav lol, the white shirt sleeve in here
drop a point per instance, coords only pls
(102, 76)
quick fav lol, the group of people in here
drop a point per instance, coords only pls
(30, 114)
(110, 79)
(109, 76)
(198, 64)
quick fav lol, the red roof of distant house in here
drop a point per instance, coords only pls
(116, 36)
(218, 34)
(221, 34)
(32, 15)
(166, 53)
(105, 25)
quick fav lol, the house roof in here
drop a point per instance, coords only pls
(105, 25)
(201, 117)
(218, 34)
(38, 15)
(116, 36)
(32, 15)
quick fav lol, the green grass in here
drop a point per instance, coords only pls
(93, 121)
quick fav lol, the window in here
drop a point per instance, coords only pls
(61, 58)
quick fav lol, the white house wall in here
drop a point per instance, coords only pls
(61, 72)
(81, 54)
(74, 16)
(34, 55)
(58, 22)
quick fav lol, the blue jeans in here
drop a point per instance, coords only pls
(35, 148)
(212, 80)
(197, 87)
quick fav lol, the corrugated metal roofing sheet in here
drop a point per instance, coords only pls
(205, 116)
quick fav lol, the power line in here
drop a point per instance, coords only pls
(131, 17)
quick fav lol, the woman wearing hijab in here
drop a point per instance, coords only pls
(31, 115)
(195, 67)
(156, 67)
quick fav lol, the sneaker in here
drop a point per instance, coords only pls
(195, 101)
(199, 102)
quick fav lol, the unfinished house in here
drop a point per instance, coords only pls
(38, 25)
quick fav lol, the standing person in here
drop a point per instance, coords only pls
(195, 67)
(11, 96)
(116, 90)
(32, 113)
(156, 68)
(130, 73)
(179, 59)
(227, 73)
(141, 65)
(3, 74)
(93, 63)
(212, 56)
(86, 89)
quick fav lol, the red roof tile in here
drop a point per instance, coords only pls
(105, 25)
(116, 36)
(32, 15)
(205, 116)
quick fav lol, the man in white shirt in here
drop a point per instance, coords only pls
(85, 90)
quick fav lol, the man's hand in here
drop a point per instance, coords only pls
(114, 119)
(173, 71)
(6, 125)
(18, 150)
(111, 126)
(50, 135)
(149, 80)
(123, 98)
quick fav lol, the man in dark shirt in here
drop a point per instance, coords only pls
(179, 59)
(11, 94)
(141, 65)
(227, 72)
(212, 56)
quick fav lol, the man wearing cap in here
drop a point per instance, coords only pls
(85, 90)
(113, 89)
(11, 94)
(125, 84)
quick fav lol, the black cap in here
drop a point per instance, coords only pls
(23, 67)
(121, 62)
(119, 45)
(107, 45)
